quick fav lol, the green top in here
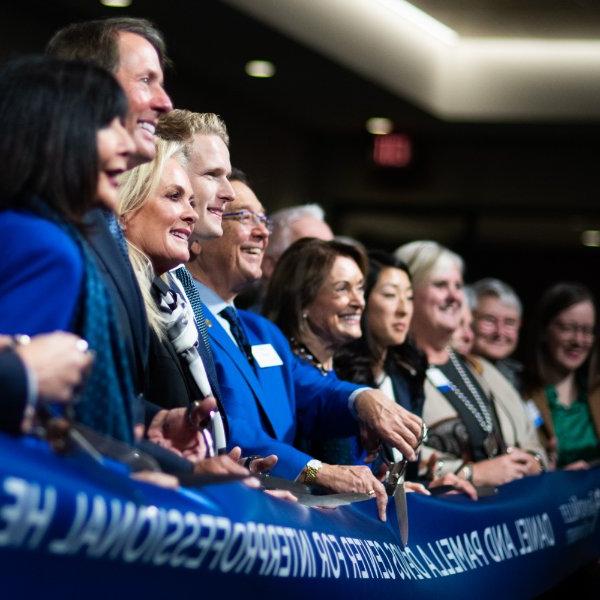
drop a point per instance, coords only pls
(574, 428)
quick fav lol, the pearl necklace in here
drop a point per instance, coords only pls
(483, 415)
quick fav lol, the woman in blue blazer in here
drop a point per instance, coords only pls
(62, 147)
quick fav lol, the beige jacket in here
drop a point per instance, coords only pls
(517, 429)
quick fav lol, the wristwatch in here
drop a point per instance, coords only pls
(467, 472)
(309, 474)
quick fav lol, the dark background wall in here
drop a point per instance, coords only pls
(513, 198)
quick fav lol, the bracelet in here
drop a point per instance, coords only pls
(537, 457)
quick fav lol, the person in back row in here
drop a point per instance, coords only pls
(477, 422)
(268, 393)
(496, 322)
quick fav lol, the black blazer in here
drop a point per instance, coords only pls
(125, 295)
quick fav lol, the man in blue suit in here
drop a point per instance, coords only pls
(268, 393)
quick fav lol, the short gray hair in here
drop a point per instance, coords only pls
(282, 220)
(425, 256)
(490, 286)
(470, 297)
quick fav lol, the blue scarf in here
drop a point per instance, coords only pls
(106, 402)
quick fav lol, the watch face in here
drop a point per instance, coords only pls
(314, 463)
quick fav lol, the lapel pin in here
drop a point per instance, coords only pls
(207, 322)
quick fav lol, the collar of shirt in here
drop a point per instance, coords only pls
(215, 304)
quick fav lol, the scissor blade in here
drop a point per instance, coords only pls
(401, 512)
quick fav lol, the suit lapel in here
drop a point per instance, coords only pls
(265, 400)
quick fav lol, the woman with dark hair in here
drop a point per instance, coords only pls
(383, 357)
(562, 377)
(62, 146)
(316, 298)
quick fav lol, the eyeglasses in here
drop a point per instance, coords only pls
(249, 218)
(489, 322)
(572, 329)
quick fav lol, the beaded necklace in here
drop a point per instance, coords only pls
(300, 349)
(481, 412)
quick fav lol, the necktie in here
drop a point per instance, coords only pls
(237, 330)
(204, 347)
(194, 298)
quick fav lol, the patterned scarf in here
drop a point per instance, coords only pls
(107, 401)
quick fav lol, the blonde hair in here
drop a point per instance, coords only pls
(137, 186)
(423, 257)
(182, 125)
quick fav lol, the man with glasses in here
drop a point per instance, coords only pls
(267, 392)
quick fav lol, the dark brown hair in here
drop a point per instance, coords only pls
(298, 276)
(554, 300)
(97, 41)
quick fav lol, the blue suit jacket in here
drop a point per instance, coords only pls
(268, 406)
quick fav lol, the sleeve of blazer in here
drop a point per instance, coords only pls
(40, 280)
(322, 408)
(13, 382)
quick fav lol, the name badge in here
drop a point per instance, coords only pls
(266, 356)
(438, 379)
(535, 416)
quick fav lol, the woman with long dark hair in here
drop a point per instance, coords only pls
(62, 147)
(562, 375)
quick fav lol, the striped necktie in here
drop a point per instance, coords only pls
(194, 297)
(237, 330)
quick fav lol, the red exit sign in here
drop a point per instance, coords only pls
(392, 150)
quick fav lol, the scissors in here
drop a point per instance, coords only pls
(394, 483)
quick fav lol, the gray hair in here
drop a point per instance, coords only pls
(425, 256)
(496, 288)
(470, 297)
(282, 220)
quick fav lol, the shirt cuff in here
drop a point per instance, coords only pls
(352, 400)
(32, 387)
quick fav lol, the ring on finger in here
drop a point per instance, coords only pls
(371, 492)
(82, 346)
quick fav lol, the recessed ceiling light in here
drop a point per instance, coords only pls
(591, 237)
(379, 125)
(116, 3)
(260, 68)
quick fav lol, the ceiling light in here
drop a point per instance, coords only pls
(260, 68)
(423, 21)
(116, 3)
(591, 237)
(379, 125)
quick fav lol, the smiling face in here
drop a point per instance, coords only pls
(496, 326)
(208, 169)
(141, 77)
(438, 300)
(162, 226)
(390, 308)
(462, 338)
(570, 336)
(334, 315)
(229, 263)
(114, 145)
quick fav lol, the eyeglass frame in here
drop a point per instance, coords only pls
(240, 216)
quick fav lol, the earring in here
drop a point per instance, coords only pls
(305, 315)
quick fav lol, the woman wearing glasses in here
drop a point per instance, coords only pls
(562, 378)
